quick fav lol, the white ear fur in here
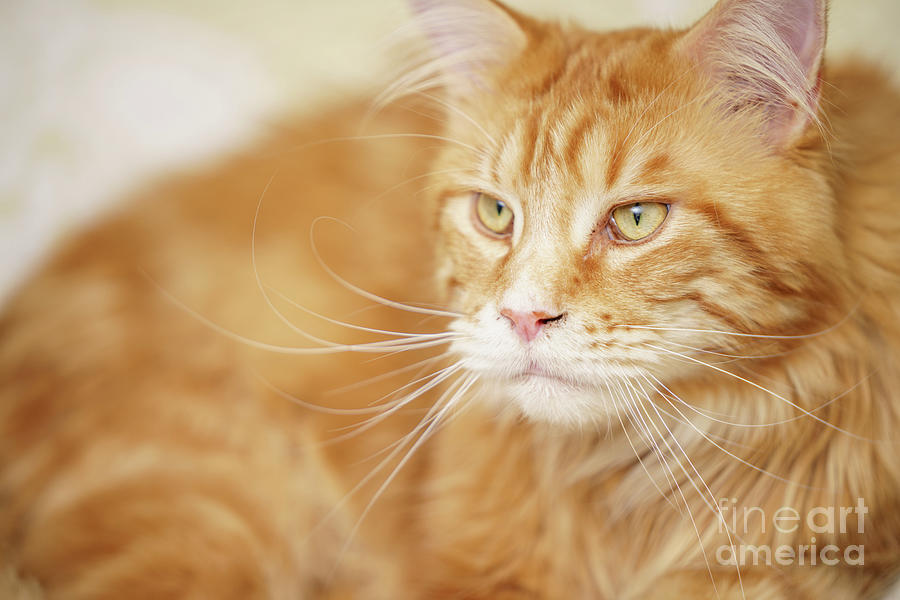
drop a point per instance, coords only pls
(468, 36)
(766, 54)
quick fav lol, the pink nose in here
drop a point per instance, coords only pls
(528, 324)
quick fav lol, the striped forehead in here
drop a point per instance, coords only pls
(564, 168)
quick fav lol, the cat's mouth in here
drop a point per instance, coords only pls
(545, 394)
(536, 371)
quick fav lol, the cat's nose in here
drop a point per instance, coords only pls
(527, 324)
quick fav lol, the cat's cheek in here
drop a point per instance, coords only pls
(474, 256)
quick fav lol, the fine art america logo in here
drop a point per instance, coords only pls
(826, 521)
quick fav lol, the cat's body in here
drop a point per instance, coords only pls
(146, 454)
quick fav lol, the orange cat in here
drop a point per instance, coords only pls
(647, 345)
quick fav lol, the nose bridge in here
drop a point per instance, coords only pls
(529, 281)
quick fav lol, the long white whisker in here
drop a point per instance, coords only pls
(716, 511)
(436, 379)
(412, 383)
(455, 109)
(771, 393)
(383, 463)
(677, 419)
(317, 407)
(825, 331)
(262, 289)
(681, 107)
(664, 438)
(690, 479)
(708, 413)
(634, 449)
(727, 355)
(731, 454)
(383, 376)
(380, 136)
(362, 292)
(407, 182)
(641, 424)
(650, 105)
(403, 334)
(373, 347)
(426, 434)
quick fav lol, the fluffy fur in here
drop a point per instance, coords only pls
(160, 437)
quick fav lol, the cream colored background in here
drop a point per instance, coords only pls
(97, 96)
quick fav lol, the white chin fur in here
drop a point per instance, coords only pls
(549, 401)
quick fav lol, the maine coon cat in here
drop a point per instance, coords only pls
(636, 326)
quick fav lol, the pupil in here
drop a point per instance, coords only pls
(636, 212)
(500, 206)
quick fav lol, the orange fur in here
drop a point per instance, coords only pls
(148, 453)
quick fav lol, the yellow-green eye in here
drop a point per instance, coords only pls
(638, 220)
(494, 215)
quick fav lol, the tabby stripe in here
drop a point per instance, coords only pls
(706, 306)
(762, 269)
(616, 161)
(576, 140)
(530, 142)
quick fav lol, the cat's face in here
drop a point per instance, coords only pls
(607, 220)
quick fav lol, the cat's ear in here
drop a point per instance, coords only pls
(766, 55)
(469, 37)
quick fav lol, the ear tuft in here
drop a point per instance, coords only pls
(468, 36)
(766, 54)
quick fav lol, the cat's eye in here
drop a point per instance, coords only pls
(638, 220)
(493, 215)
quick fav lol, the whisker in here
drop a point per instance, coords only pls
(650, 105)
(717, 511)
(359, 428)
(631, 414)
(681, 107)
(634, 449)
(726, 355)
(405, 182)
(317, 407)
(454, 108)
(706, 413)
(365, 294)
(382, 376)
(410, 384)
(373, 347)
(381, 465)
(664, 438)
(333, 321)
(425, 436)
(262, 289)
(447, 421)
(771, 393)
(385, 355)
(721, 439)
(827, 330)
(731, 454)
(378, 136)
(668, 471)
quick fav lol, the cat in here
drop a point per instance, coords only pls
(635, 335)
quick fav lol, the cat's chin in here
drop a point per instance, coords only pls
(552, 401)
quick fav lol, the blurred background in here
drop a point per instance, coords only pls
(99, 96)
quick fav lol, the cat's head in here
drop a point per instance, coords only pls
(612, 207)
